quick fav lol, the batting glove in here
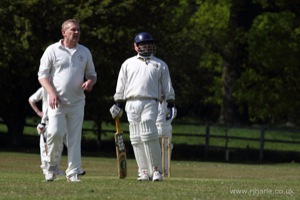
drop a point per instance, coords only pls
(116, 110)
(171, 112)
(41, 128)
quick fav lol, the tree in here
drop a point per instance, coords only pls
(24, 38)
(219, 67)
(106, 29)
(272, 81)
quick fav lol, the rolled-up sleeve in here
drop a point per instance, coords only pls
(167, 88)
(90, 68)
(45, 64)
(121, 84)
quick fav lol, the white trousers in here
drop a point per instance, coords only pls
(65, 119)
(43, 152)
(142, 115)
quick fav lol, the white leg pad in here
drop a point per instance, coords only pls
(149, 136)
(153, 154)
(138, 148)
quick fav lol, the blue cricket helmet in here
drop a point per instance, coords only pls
(143, 37)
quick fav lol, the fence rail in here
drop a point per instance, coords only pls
(209, 136)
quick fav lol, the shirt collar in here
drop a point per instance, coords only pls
(144, 59)
(62, 46)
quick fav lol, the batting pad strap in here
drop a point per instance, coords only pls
(148, 130)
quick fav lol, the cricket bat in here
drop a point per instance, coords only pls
(41, 130)
(45, 143)
(120, 151)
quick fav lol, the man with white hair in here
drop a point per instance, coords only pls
(72, 71)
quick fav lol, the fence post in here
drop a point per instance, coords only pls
(262, 143)
(226, 144)
(206, 140)
(99, 139)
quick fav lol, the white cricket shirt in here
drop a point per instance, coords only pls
(41, 95)
(67, 71)
(140, 79)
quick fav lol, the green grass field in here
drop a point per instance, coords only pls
(21, 178)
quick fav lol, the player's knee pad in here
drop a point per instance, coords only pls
(159, 130)
(148, 130)
(134, 130)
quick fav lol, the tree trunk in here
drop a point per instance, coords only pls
(229, 110)
(15, 129)
(14, 116)
(242, 14)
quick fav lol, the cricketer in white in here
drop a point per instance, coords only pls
(141, 82)
(164, 127)
(71, 70)
(41, 95)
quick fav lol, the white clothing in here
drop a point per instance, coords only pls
(67, 72)
(162, 113)
(139, 79)
(141, 82)
(164, 128)
(65, 119)
(41, 95)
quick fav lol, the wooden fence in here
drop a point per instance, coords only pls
(208, 135)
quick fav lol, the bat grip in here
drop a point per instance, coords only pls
(118, 129)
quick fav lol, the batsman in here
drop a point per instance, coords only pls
(142, 80)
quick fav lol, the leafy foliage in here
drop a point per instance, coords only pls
(230, 61)
(273, 67)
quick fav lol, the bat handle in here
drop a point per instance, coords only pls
(118, 124)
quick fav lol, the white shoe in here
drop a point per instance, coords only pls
(73, 178)
(81, 172)
(143, 177)
(49, 175)
(157, 176)
(45, 171)
(44, 168)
